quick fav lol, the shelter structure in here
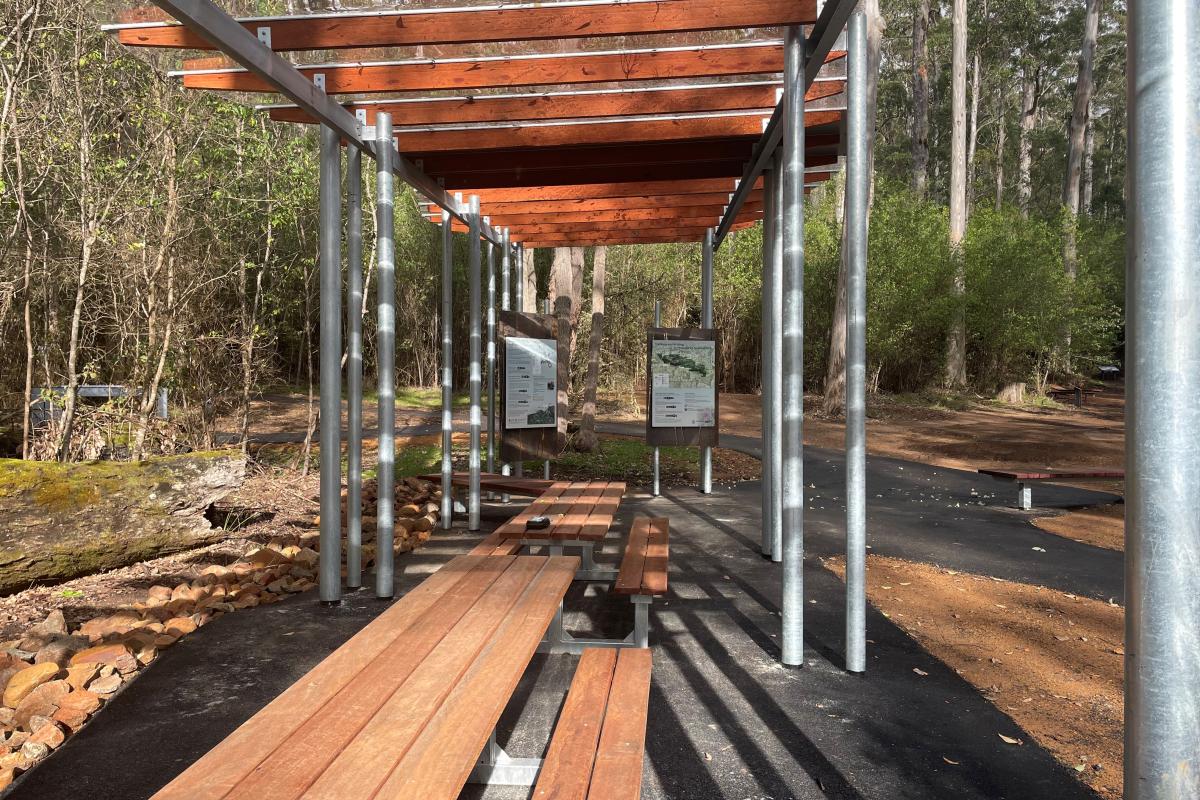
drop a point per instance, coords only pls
(713, 122)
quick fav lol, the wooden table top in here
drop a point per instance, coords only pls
(581, 511)
(404, 708)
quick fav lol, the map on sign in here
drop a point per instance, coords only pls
(683, 384)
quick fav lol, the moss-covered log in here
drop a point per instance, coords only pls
(60, 521)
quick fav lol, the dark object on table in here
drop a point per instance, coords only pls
(537, 523)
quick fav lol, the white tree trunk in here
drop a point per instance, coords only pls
(1030, 91)
(920, 102)
(956, 348)
(587, 432)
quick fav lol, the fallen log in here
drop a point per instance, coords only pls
(61, 521)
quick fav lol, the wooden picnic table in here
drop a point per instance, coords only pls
(492, 482)
(579, 512)
(405, 708)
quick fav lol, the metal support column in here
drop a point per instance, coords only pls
(1162, 450)
(330, 201)
(770, 375)
(857, 188)
(475, 374)
(385, 355)
(706, 303)
(447, 372)
(657, 482)
(793, 349)
(505, 305)
(546, 464)
(491, 354)
(354, 366)
(775, 446)
(519, 300)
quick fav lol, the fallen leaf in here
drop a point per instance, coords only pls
(1009, 739)
(948, 761)
(920, 672)
(1119, 651)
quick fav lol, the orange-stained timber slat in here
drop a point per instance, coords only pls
(604, 190)
(675, 223)
(629, 132)
(623, 237)
(520, 71)
(552, 214)
(484, 108)
(657, 201)
(727, 170)
(497, 24)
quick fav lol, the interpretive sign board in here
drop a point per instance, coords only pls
(533, 358)
(683, 405)
(530, 383)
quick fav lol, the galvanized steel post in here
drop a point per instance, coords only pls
(546, 464)
(857, 188)
(330, 202)
(505, 305)
(385, 354)
(519, 299)
(491, 352)
(657, 483)
(768, 377)
(354, 366)
(447, 372)
(1162, 450)
(706, 303)
(775, 446)
(793, 350)
(475, 375)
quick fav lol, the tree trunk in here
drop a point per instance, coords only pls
(1001, 133)
(587, 428)
(973, 129)
(60, 521)
(834, 398)
(1075, 146)
(1089, 151)
(1030, 91)
(529, 275)
(956, 348)
(920, 93)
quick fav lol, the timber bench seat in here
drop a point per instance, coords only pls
(1024, 477)
(496, 545)
(405, 708)
(598, 746)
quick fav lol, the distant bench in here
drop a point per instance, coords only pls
(1026, 477)
(1076, 394)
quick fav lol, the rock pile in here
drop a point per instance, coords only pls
(55, 677)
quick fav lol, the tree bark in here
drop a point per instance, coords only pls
(834, 399)
(1030, 93)
(1089, 151)
(587, 428)
(60, 521)
(973, 128)
(529, 275)
(956, 347)
(920, 93)
(1001, 134)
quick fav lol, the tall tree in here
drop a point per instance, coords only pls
(1031, 90)
(1076, 133)
(956, 346)
(1001, 133)
(920, 97)
(834, 399)
(587, 425)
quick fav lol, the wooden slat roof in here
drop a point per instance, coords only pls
(652, 155)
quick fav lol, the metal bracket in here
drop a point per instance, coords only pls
(361, 115)
(558, 641)
(264, 35)
(497, 768)
(318, 80)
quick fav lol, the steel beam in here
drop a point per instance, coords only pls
(385, 354)
(519, 300)
(657, 489)
(354, 366)
(706, 304)
(830, 22)
(793, 351)
(505, 305)
(1162, 450)
(857, 188)
(491, 351)
(330, 202)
